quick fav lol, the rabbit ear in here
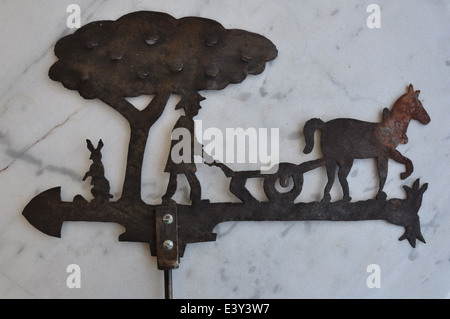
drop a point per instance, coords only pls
(90, 146)
(423, 188)
(416, 185)
(100, 145)
(408, 190)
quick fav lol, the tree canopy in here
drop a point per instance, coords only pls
(151, 52)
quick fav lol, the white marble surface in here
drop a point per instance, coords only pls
(330, 65)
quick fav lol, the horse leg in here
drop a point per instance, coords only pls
(331, 173)
(399, 158)
(344, 170)
(382, 163)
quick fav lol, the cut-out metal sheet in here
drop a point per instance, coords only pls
(151, 53)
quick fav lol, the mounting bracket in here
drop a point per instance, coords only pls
(167, 248)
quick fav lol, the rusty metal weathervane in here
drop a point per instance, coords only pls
(152, 53)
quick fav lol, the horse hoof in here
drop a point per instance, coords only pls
(381, 196)
(326, 198)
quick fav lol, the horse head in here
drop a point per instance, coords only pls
(412, 107)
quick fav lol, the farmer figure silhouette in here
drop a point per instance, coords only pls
(179, 162)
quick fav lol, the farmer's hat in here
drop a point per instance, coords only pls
(190, 100)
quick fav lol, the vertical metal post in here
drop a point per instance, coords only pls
(167, 244)
(168, 288)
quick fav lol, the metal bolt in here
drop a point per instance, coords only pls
(167, 219)
(168, 244)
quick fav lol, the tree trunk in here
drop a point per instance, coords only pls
(136, 149)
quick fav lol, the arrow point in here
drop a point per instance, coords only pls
(43, 214)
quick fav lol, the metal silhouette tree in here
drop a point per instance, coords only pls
(152, 53)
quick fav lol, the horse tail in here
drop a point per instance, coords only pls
(308, 130)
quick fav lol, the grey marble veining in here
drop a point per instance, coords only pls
(330, 65)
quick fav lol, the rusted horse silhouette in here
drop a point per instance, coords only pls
(344, 140)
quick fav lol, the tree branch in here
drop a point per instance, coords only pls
(121, 105)
(155, 108)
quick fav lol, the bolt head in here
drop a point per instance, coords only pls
(168, 244)
(167, 219)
